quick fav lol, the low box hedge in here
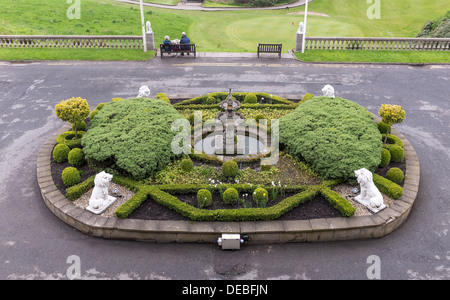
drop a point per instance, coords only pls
(387, 187)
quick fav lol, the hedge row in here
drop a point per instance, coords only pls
(387, 187)
(262, 97)
(338, 202)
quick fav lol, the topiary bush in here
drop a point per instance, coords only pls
(250, 98)
(81, 125)
(260, 197)
(76, 157)
(187, 165)
(70, 176)
(132, 137)
(385, 158)
(163, 97)
(211, 100)
(204, 198)
(395, 175)
(69, 139)
(383, 127)
(60, 153)
(306, 97)
(397, 153)
(335, 136)
(93, 114)
(230, 169)
(231, 196)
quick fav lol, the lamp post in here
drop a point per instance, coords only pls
(304, 31)
(144, 40)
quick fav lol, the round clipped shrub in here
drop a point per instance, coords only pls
(383, 127)
(81, 125)
(76, 157)
(260, 196)
(230, 169)
(133, 137)
(259, 117)
(70, 176)
(385, 158)
(204, 198)
(395, 175)
(306, 97)
(187, 165)
(230, 196)
(250, 98)
(334, 136)
(100, 106)
(93, 114)
(61, 152)
(397, 153)
(211, 100)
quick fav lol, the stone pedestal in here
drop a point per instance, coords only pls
(150, 39)
(299, 41)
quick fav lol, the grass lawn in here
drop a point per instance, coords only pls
(371, 56)
(20, 54)
(226, 31)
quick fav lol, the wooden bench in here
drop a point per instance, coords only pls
(177, 48)
(270, 48)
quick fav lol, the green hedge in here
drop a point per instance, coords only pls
(338, 202)
(78, 190)
(387, 187)
(263, 98)
(68, 139)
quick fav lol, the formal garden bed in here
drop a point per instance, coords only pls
(322, 141)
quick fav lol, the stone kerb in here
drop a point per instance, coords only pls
(325, 229)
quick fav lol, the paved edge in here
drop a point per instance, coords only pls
(325, 229)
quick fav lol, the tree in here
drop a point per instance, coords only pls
(391, 114)
(73, 111)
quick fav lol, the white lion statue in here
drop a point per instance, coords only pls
(370, 196)
(100, 199)
(144, 92)
(328, 91)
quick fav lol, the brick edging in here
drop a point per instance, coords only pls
(325, 229)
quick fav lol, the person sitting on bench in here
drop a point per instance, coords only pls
(184, 40)
(167, 43)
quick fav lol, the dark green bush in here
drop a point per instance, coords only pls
(250, 98)
(230, 196)
(132, 136)
(204, 198)
(335, 136)
(397, 153)
(385, 158)
(186, 165)
(70, 176)
(76, 157)
(61, 153)
(395, 175)
(230, 169)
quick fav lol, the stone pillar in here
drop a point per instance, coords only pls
(150, 37)
(299, 39)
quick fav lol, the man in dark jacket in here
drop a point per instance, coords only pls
(184, 40)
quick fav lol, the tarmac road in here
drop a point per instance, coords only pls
(34, 244)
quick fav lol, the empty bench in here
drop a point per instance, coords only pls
(270, 48)
(177, 48)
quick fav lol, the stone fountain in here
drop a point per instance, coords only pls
(230, 142)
